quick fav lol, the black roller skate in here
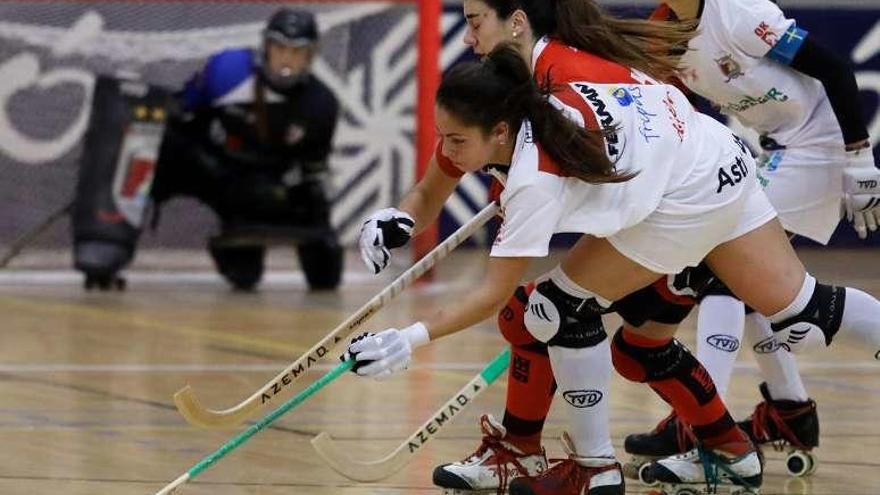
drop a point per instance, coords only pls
(670, 437)
(790, 426)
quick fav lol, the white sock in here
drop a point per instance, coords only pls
(799, 303)
(778, 367)
(583, 377)
(719, 334)
(860, 324)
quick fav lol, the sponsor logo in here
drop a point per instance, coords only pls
(539, 311)
(448, 412)
(612, 139)
(767, 346)
(732, 176)
(773, 95)
(622, 96)
(766, 34)
(645, 117)
(677, 123)
(520, 368)
(722, 342)
(729, 67)
(582, 398)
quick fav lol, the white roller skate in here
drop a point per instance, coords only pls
(491, 466)
(709, 471)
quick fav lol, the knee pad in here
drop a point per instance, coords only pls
(561, 319)
(816, 324)
(511, 322)
(650, 364)
(656, 302)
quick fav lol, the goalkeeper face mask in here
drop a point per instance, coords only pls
(284, 65)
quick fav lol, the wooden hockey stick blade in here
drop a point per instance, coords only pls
(195, 413)
(338, 459)
(245, 435)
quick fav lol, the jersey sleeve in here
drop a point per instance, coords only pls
(756, 25)
(445, 164)
(530, 218)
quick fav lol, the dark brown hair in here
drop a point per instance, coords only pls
(501, 89)
(652, 47)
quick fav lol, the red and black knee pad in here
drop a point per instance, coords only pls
(669, 361)
(511, 324)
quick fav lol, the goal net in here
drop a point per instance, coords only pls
(50, 52)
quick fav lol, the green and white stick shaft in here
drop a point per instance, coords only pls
(338, 458)
(195, 413)
(245, 435)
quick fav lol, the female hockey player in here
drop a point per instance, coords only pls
(756, 64)
(420, 202)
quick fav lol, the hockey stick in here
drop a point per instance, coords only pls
(28, 237)
(244, 436)
(190, 406)
(339, 460)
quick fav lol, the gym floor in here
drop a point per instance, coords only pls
(86, 380)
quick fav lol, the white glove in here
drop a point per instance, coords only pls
(861, 187)
(382, 354)
(383, 230)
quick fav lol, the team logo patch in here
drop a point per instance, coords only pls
(582, 398)
(622, 96)
(729, 67)
(722, 342)
(767, 346)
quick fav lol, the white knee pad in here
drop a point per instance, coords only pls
(812, 319)
(542, 318)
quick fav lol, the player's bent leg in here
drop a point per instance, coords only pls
(673, 372)
(241, 266)
(569, 319)
(820, 312)
(322, 262)
(513, 448)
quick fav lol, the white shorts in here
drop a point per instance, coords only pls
(666, 243)
(806, 189)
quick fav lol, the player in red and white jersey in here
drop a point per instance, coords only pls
(424, 200)
(759, 66)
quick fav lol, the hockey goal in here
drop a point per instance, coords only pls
(381, 58)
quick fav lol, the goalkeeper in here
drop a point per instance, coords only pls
(252, 142)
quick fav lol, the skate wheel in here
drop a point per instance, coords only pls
(800, 463)
(646, 476)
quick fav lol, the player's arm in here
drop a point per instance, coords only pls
(861, 178)
(798, 50)
(383, 354)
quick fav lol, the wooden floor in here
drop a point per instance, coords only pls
(86, 381)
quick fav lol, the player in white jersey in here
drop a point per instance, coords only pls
(759, 66)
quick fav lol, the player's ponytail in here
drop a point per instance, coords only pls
(501, 89)
(652, 47)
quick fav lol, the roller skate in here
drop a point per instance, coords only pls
(789, 426)
(705, 471)
(670, 437)
(104, 282)
(574, 476)
(491, 466)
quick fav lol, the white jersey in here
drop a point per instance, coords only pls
(726, 63)
(675, 150)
